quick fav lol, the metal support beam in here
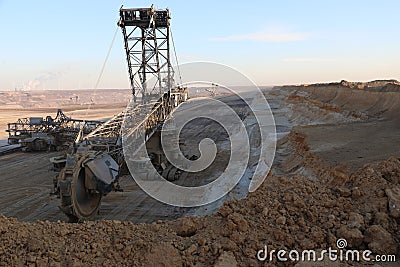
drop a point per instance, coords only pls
(147, 47)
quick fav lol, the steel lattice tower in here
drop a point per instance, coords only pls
(146, 34)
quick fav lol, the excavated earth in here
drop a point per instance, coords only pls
(336, 175)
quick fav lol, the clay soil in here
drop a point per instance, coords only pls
(336, 175)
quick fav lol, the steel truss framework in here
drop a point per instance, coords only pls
(24, 127)
(146, 35)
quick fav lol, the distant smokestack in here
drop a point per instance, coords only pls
(31, 85)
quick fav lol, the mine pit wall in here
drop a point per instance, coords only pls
(369, 104)
(374, 104)
(301, 161)
(304, 163)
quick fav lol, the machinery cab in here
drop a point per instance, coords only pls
(142, 17)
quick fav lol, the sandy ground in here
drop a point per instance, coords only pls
(353, 145)
(336, 175)
(133, 204)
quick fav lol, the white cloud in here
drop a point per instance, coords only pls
(311, 59)
(265, 37)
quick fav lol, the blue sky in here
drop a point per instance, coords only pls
(62, 44)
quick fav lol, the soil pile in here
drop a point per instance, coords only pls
(295, 213)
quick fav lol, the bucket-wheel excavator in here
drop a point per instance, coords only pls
(95, 161)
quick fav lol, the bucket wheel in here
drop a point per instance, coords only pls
(77, 202)
(85, 202)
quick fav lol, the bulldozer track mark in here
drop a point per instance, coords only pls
(21, 205)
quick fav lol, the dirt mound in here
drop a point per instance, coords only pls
(295, 213)
(375, 85)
